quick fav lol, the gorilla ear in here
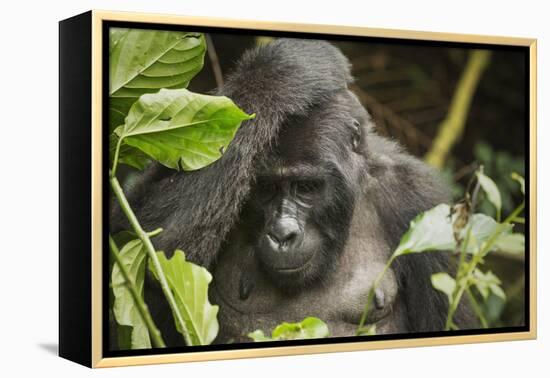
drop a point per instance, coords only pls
(356, 135)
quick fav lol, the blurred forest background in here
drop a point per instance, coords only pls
(410, 91)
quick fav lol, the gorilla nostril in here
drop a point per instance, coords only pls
(290, 237)
(273, 238)
(283, 238)
(284, 233)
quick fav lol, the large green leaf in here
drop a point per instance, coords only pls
(309, 328)
(133, 256)
(144, 61)
(182, 129)
(433, 230)
(189, 284)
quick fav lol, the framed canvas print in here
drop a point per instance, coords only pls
(234, 189)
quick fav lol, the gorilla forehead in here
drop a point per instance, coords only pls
(323, 135)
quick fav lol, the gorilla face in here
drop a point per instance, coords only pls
(291, 245)
(302, 203)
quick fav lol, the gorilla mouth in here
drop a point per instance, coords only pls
(290, 270)
(295, 269)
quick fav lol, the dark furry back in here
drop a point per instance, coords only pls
(197, 209)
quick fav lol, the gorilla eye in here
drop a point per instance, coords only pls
(308, 186)
(266, 190)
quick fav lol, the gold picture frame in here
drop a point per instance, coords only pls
(94, 21)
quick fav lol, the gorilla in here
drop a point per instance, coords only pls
(302, 211)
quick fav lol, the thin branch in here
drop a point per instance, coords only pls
(216, 68)
(123, 202)
(465, 171)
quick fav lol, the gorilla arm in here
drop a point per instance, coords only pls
(401, 187)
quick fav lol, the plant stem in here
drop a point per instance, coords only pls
(115, 158)
(370, 296)
(117, 190)
(473, 264)
(459, 272)
(156, 337)
(476, 308)
(155, 232)
(462, 288)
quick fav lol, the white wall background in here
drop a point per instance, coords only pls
(28, 202)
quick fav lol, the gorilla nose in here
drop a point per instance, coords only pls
(284, 233)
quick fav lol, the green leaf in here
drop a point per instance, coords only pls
(309, 328)
(189, 284)
(118, 110)
(259, 336)
(433, 231)
(124, 337)
(488, 282)
(144, 61)
(511, 243)
(181, 129)
(133, 256)
(369, 330)
(520, 180)
(444, 283)
(430, 230)
(491, 189)
(483, 227)
(497, 290)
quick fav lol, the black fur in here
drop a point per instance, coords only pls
(282, 82)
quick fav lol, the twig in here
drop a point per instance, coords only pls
(465, 171)
(216, 68)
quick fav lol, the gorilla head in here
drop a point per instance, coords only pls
(304, 208)
(303, 199)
